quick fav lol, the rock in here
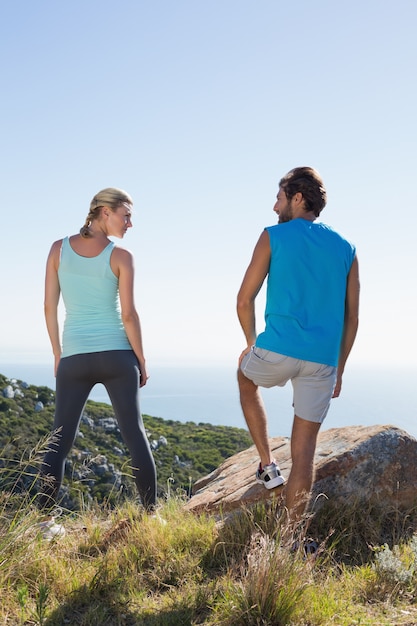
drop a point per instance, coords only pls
(371, 462)
(155, 444)
(109, 424)
(85, 419)
(8, 392)
(178, 461)
(39, 406)
(99, 465)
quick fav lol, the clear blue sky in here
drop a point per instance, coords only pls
(197, 109)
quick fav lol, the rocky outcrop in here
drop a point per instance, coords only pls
(8, 392)
(372, 462)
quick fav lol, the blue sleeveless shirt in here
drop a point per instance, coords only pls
(90, 292)
(305, 303)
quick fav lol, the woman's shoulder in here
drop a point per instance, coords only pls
(123, 254)
(55, 253)
(121, 260)
(57, 245)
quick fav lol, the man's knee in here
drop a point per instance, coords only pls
(245, 384)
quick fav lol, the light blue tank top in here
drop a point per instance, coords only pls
(90, 292)
(306, 291)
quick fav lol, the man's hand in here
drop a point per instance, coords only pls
(249, 289)
(244, 353)
(338, 386)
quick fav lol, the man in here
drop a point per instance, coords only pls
(311, 320)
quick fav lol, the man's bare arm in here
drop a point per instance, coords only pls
(351, 322)
(252, 283)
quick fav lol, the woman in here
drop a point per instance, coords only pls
(102, 340)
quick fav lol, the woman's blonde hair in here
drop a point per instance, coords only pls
(110, 197)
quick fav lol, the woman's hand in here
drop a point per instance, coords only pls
(143, 374)
(57, 358)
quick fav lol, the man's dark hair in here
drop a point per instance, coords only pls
(307, 181)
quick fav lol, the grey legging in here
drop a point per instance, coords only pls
(118, 371)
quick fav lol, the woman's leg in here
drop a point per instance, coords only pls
(122, 384)
(73, 385)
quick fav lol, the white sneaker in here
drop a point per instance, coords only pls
(269, 476)
(50, 530)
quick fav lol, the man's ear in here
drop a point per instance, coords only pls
(298, 198)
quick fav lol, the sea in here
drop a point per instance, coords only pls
(206, 394)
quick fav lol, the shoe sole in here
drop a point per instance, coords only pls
(271, 484)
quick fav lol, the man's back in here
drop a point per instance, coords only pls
(307, 277)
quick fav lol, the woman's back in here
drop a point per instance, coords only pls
(90, 293)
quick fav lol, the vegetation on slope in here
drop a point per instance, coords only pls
(116, 566)
(123, 568)
(98, 465)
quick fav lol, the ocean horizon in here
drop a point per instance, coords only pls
(208, 394)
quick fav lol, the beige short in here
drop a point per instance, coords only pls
(313, 383)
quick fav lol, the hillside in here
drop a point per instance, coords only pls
(97, 468)
(117, 566)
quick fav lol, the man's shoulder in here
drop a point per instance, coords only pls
(331, 231)
(299, 231)
(334, 240)
(277, 228)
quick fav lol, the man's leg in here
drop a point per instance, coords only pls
(303, 446)
(255, 416)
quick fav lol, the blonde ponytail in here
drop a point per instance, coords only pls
(110, 197)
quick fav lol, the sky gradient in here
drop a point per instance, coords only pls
(197, 109)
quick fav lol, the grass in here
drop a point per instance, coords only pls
(121, 567)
